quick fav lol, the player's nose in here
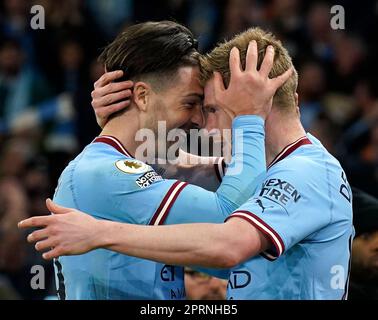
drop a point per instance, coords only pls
(210, 123)
(198, 118)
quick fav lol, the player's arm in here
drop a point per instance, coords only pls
(208, 245)
(279, 216)
(283, 213)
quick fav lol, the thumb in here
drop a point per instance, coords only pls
(55, 208)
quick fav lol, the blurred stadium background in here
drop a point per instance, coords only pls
(46, 77)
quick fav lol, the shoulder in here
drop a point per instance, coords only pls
(301, 167)
(103, 167)
(299, 179)
(140, 174)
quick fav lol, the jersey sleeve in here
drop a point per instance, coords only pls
(248, 165)
(287, 208)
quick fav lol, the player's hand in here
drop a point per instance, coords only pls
(109, 97)
(67, 232)
(250, 91)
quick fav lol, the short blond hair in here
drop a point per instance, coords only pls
(218, 60)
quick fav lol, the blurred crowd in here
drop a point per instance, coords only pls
(46, 77)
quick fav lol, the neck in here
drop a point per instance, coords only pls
(124, 130)
(281, 130)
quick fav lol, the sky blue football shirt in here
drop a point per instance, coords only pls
(304, 207)
(105, 181)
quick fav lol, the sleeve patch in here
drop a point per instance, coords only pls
(132, 166)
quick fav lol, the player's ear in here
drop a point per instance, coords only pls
(141, 95)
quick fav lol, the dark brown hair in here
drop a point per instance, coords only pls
(152, 49)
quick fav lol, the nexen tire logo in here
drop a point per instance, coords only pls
(280, 191)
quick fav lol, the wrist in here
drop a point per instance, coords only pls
(249, 113)
(102, 234)
(247, 120)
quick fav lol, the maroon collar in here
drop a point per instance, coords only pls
(290, 149)
(115, 143)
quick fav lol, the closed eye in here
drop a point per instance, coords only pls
(190, 105)
(209, 109)
(193, 104)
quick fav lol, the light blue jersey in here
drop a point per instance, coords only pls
(305, 208)
(105, 181)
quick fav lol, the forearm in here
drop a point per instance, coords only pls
(190, 159)
(199, 244)
(248, 164)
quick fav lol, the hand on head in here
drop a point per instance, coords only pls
(250, 91)
(109, 96)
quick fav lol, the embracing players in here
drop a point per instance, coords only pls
(290, 240)
(107, 180)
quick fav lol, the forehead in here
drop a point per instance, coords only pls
(188, 80)
(209, 92)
